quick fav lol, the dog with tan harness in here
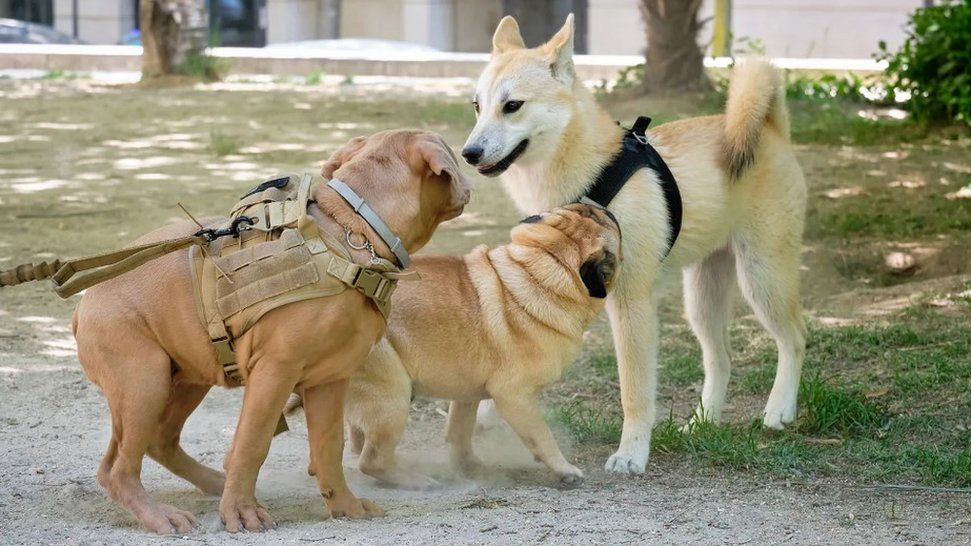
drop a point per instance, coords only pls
(293, 291)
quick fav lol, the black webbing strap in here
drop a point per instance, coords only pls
(635, 154)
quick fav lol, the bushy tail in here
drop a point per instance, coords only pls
(756, 97)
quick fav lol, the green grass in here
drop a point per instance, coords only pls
(205, 67)
(884, 403)
(59, 74)
(315, 77)
(828, 410)
(222, 144)
(876, 215)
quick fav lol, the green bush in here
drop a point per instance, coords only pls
(203, 66)
(934, 63)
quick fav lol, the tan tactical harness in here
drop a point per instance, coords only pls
(277, 255)
(281, 258)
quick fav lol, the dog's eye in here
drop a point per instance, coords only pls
(511, 106)
(475, 104)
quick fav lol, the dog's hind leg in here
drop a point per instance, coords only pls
(768, 274)
(385, 425)
(137, 400)
(521, 411)
(458, 433)
(709, 287)
(633, 322)
(355, 439)
(165, 449)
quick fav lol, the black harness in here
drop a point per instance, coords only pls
(635, 154)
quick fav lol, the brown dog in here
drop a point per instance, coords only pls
(140, 340)
(501, 324)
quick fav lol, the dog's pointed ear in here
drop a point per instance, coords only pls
(595, 274)
(441, 162)
(559, 52)
(341, 156)
(507, 36)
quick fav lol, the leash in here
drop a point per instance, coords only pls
(72, 276)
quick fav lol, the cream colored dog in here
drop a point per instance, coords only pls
(744, 200)
(501, 324)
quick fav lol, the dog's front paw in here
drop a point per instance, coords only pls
(240, 514)
(626, 463)
(571, 479)
(163, 519)
(778, 414)
(351, 507)
(468, 465)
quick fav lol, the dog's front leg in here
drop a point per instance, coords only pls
(633, 322)
(267, 389)
(324, 405)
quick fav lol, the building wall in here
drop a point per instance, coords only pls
(823, 28)
(101, 22)
(787, 28)
(474, 21)
(373, 19)
(614, 27)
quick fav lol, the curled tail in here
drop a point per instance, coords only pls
(756, 97)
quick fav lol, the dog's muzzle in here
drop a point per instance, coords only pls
(504, 163)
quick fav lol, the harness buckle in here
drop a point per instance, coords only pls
(234, 229)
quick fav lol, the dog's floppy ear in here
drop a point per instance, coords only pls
(507, 36)
(595, 273)
(559, 52)
(341, 156)
(440, 159)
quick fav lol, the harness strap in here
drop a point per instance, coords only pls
(635, 154)
(365, 211)
(72, 276)
(268, 206)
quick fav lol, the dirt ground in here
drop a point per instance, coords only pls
(85, 167)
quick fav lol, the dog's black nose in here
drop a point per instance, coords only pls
(472, 154)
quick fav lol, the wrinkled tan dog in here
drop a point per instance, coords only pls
(744, 201)
(139, 338)
(497, 323)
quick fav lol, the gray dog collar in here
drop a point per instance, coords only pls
(373, 220)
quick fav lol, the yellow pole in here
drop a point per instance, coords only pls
(721, 44)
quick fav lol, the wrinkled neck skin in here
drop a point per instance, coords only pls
(524, 269)
(562, 174)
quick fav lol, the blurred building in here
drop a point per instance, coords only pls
(785, 28)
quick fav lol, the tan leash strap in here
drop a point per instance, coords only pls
(73, 276)
(29, 272)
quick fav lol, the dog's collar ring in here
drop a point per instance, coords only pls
(366, 245)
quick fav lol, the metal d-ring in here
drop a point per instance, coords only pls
(350, 243)
(366, 245)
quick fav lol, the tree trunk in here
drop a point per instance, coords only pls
(673, 61)
(170, 29)
(159, 29)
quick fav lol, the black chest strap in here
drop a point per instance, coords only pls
(635, 154)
